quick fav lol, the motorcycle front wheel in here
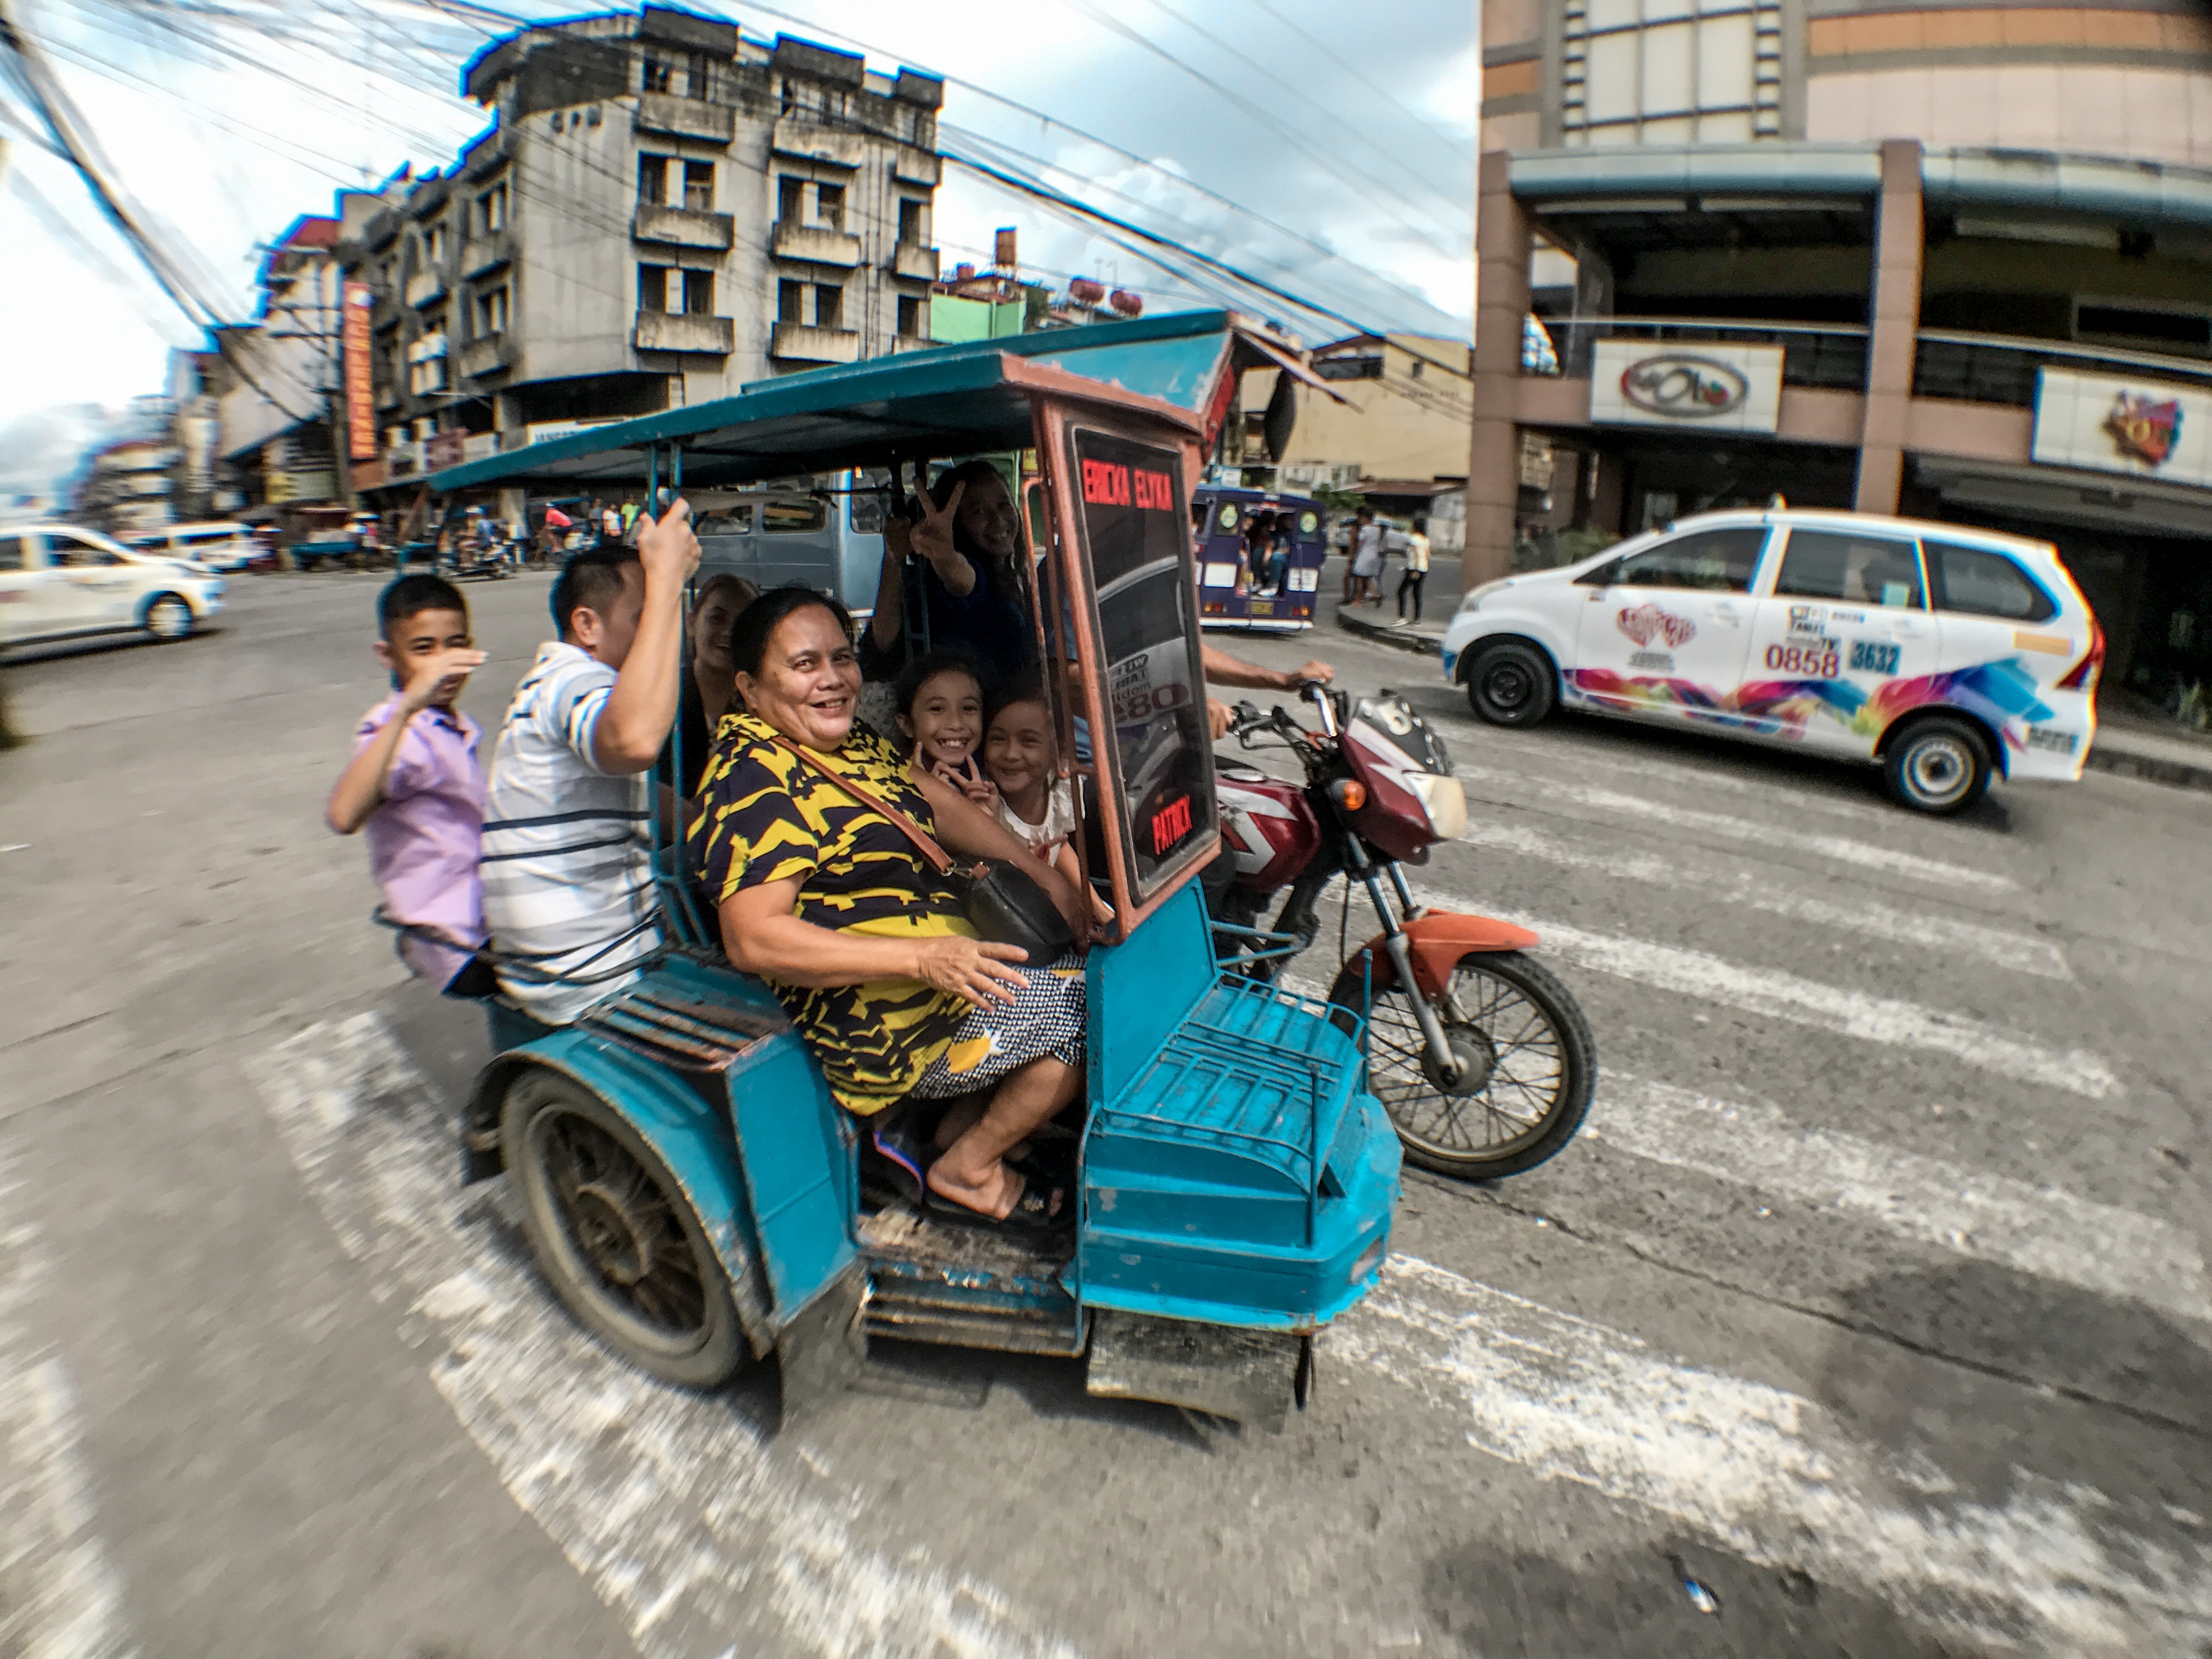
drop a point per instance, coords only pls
(1527, 1066)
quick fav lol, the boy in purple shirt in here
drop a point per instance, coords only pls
(414, 784)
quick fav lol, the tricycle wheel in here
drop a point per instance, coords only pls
(611, 1227)
(1527, 1066)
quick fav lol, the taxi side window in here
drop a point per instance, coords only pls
(12, 554)
(76, 555)
(1980, 583)
(1715, 560)
(1849, 567)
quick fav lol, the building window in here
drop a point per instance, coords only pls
(699, 293)
(652, 180)
(652, 288)
(657, 74)
(828, 306)
(491, 312)
(426, 365)
(790, 200)
(1670, 71)
(434, 245)
(699, 186)
(910, 316)
(791, 302)
(830, 205)
(910, 227)
(491, 209)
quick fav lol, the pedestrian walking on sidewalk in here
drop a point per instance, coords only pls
(1363, 575)
(1415, 573)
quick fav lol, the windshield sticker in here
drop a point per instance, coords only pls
(1645, 622)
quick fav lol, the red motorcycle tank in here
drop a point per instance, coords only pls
(1268, 832)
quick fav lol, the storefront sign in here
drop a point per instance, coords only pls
(2147, 428)
(447, 449)
(541, 432)
(1713, 388)
(360, 392)
(316, 485)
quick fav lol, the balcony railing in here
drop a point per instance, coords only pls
(914, 261)
(680, 330)
(815, 244)
(681, 227)
(425, 286)
(801, 343)
(2000, 369)
(1828, 354)
(686, 118)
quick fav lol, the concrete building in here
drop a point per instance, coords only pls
(1951, 259)
(278, 372)
(661, 212)
(127, 486)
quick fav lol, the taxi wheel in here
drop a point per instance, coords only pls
(611, 1227)
(168, 617)
(1512, 684)
(1938, 765)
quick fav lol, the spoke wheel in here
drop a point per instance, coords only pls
(1521, 1088)
(611, 1230)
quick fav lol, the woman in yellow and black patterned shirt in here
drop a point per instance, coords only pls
(867, 948)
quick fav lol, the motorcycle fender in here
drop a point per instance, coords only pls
(1436, 940)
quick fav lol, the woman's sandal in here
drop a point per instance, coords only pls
(1034, 1214)
(903, 1163)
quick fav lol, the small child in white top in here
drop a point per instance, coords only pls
(1019, 752)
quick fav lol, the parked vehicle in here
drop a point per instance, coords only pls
(1234, 590)
(224, 546)
(58, 581)
(1941, 654)
(1479, 1054)
(826, 533)
(690, 1189)
(326, 549)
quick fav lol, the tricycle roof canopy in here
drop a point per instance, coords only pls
(949, 400)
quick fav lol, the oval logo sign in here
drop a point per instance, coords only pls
(1683, 386)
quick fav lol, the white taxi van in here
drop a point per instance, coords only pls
(220, 545)
(60, 580)
(1941, 654)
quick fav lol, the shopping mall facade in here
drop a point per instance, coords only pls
(1952, 261)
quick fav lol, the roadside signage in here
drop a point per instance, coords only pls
(1710, 387)
(360, 392)
(2146, 429)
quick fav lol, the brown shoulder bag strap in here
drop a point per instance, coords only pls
(898, 820)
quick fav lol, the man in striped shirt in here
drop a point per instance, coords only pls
(568, 875)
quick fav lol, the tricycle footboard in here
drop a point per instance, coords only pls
(1248, 1375)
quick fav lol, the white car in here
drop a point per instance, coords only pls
(219, 546)
(1940, 653)
(57, 580)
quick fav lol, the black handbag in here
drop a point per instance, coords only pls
(1005, 903)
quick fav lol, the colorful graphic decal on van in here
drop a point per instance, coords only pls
(1998, 692)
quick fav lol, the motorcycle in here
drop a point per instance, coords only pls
(1479, 1054)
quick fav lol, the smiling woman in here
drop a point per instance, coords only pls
(824, 894)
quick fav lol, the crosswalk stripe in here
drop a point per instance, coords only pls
(1835, 848)
(2035, 1230)
(1918, 928)
(1779, 995)
(1773, 1476)
(59, 1596)
(674, 1511)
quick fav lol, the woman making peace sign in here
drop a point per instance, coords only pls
(970, 541)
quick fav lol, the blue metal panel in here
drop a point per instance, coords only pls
(796, 1157)
(1142, 988)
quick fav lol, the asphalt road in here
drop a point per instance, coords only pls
(1868, 1317)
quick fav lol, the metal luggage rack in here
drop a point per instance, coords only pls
(1241, 1064)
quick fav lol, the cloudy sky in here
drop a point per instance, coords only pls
(1334, 158)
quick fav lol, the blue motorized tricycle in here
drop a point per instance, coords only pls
(691, 1190)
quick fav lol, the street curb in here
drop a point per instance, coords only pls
(2177, 774)
(2154, 768)
(1425, 645)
